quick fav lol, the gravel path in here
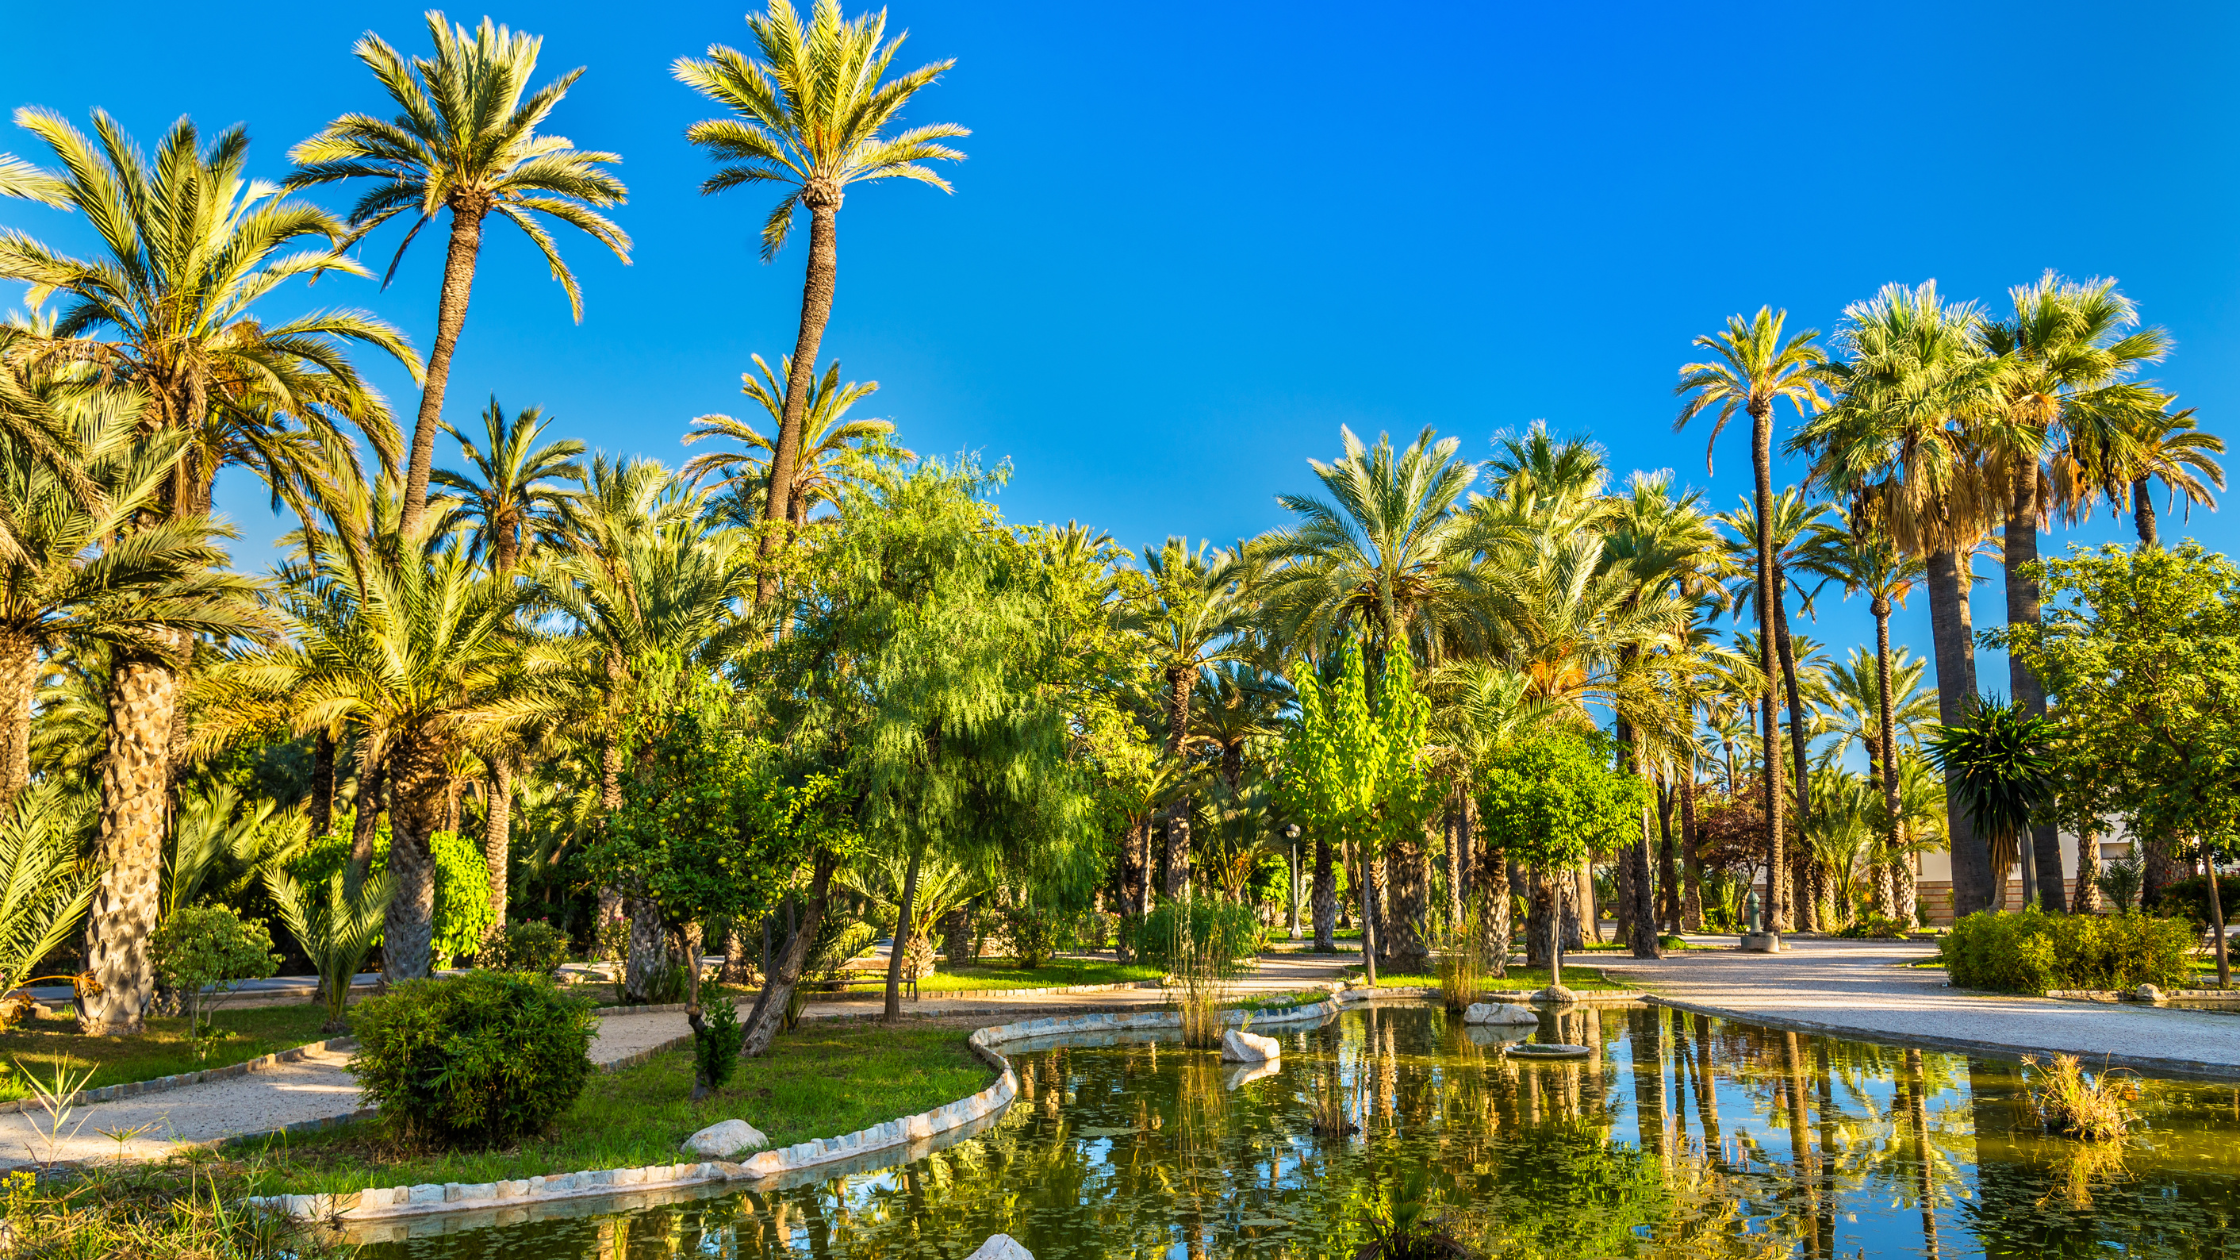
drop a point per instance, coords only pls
(1863, 988)
(320, 1087)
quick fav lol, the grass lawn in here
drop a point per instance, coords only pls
(1519, 980)
(37, 1045)
(996, 974)
(818, 1081)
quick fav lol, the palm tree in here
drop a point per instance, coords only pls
(833, 452)
(1757, 367)
(509, 503)
(190, 245)
(811, 114)
(2065, 363)
(1999, 762)
(2169, 447)
(464, 141)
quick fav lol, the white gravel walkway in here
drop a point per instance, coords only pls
(1862, 988)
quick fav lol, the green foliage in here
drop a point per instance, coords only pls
(462, 895)
(2188, 899)
(1870, 927)
(335, 932)
(1554, 798)
(2031, 951)
(1354, 773)
(44, 888)
(205, 952)
(1179, 931)
(536, 947)
(2122, 879)
(1036, 932)
(475, 1061)
(715, 1045)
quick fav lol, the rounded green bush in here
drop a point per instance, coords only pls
(478, 1060)
(536, 947)
(2031, 951)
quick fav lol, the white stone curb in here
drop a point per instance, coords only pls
(395, 1201)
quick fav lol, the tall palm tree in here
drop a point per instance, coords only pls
(834, 450)
(811, 114)
(189, 245)
(2169, 447)
(2066, 360)
(1757, 366)
(512, 499)
(464, 141)
(1914, 393)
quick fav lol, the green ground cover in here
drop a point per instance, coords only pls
(997, 974)
(818, 1081)
(1519, 980)
(36, 1046)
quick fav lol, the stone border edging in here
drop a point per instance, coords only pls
(2119, 995)
(180, 1080)
(429, 1198)
(2192, 1068)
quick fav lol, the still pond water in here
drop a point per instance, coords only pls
(1683, 1137)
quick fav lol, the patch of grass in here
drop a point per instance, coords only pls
(818, 1081)
(1519, 980)
(994, 975)
(1280, 1001)
(183, 1210)
(166, 1048)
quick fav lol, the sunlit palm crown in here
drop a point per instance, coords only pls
(1386, 552)
(2066, 360)
(190, 245)
(1187, 602)
(834, 450)
(465, 138)
(1852, 699)
(2169, 447)
(1756, 366)
(516, 497)
(812, 111)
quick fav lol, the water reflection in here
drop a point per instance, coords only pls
(1684, 1137)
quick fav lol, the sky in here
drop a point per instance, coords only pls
(1192, 241)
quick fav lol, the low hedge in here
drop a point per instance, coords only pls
(479, 1060)
(2031, 951)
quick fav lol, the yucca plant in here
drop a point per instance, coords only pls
(1998, 763)
(335, 932)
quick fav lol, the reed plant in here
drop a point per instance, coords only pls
(1461, 948)
(1203, 943)
(2095, 1107)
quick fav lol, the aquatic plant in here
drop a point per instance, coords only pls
(1462, 955)
(2095, 1108)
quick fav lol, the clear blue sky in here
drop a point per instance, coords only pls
(1192, 240)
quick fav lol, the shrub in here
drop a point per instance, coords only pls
(1178, 932)
(715, 1048)
(1871, 927)
(462, 880)
(205, 952)
(478, 1060)
(2121, 880)
(536, 947)
(2189, 899)
(2031, 951)
(1036, 934)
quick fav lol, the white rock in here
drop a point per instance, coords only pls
(1001, 1247)
(1499, 1013)
(2147, 993)
(1244, 1047)
(725, 1139)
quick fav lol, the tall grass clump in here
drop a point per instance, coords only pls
(1461, 956)
(1203, 943)
(2031, 951)
(2095, 1108)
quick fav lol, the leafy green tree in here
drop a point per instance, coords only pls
(811, 115)
(2141, 651)
(1549, 800)
(464, 141)
(206, 952)
(1358, 771)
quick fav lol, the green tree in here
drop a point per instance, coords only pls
(1757, 366)
(1549, 801)
(1358, 771)
(464, 141)
(811, 114)
(834, 449)
(2141, 651)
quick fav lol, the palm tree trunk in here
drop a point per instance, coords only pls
(1807, 909)
(2019, 547)
(1453, 829)
(2087, 900)
(451, 317)
(1178, 849)
(497, 838)
(1402, 939)
(771, 1004)
(1691, 904)
(893, 1013)
(2142, 514)
(19, 680)
(1368, 885)
(415, 815)
(135, 804)
(1886, 734)
(1492, 889)
(1761, 458)
(365, 828)
(322, 785)
(1325, 898)
(817, 287)
(1956, 691)
(1668, 874)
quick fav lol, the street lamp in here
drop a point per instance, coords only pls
(1291, 833)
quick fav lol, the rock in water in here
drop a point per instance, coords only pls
(1244, 1047)
(1001, 1247)
(725, 1139)
(2147, 993)
(1499, 1013)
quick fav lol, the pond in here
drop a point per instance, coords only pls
(1684, 1136)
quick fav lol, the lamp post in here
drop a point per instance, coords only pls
(1291, 833)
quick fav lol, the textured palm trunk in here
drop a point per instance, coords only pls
(451, 317)
(497, 839)
(649, 949)
(322, 784)
(818, 285)
(1325, 899)
(415, 815)
(1691, 902)
(1405, 949)
(956, 940)
(2163, 868)
(1886, 722)
(1668, 873)
(1178, 850)
(1543, 918)
(1761, 458)
(771, 1005)
(1582, 920)
(135, 803)
(738, 966)
(1956, 689)
(2087, 899)
(1179, 683)
(1807, 910)
(902, 936)
(19, 680)
(365, 827)
(1777, 875)
(2142, 514)
(1452, 827)
(2019, 547)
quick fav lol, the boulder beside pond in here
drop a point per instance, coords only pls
(1001, 1247)
(724, 1139)
(1500, 1013)
(1244, 1047)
